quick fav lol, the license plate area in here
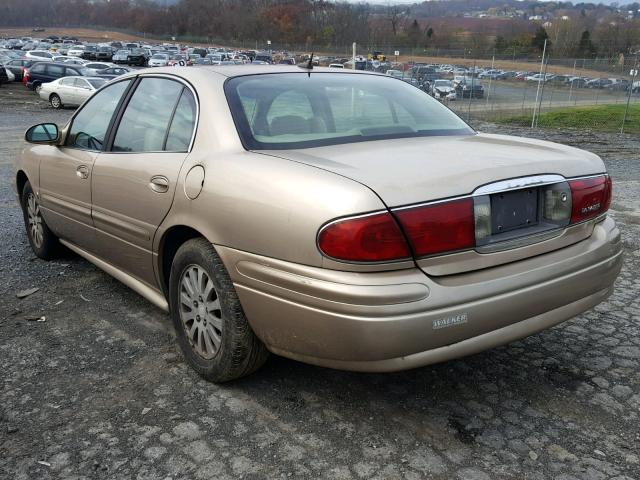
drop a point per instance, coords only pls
(518, 217)
(514, 210)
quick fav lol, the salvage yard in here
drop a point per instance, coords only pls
(93, 384)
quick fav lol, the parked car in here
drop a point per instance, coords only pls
(158, 60)
(112, 72)
(44, 72)
(94, 67)
(76, 61)
(468, 87)
(436, 242)
(104, 54)
(4, 76)
(39, 55)
(443, 90)
(620, 85)
(394, 73)
(121, 56)
(70, 91)
(76, 51)
(17, 67)
(577, 82)
(89, 52)
(599, 82)
(539, 77)
(138, 56)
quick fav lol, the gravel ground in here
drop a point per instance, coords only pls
(99, 389)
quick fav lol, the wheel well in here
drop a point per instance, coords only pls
(21, 180)
(53, 94)
(169, 245)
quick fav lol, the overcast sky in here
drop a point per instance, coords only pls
(385, 2)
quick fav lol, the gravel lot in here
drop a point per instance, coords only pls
(99, 389)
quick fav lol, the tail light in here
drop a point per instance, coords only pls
(458, 224)
(590, 197)
(439, 227)
(369, 238)
(25, 76)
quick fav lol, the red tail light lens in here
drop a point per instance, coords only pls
(439, 227)
(372, 238)
(590, 197)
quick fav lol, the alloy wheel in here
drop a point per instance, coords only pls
(200, 311)
(35, 221)
(55, 101)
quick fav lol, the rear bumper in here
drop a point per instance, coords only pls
(388, 321)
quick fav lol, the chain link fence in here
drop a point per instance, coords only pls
(562, 93)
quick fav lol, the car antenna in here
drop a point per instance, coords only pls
(309, 66)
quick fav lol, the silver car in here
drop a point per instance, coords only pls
(70, 91)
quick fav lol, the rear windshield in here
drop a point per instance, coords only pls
(297, 110)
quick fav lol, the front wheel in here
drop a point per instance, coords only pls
(42, 240)
(213, 332)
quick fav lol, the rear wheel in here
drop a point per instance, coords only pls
(55, 101)
(213, 332)
(42, 240)
(37, 86)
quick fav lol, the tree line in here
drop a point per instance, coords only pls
(570, 30)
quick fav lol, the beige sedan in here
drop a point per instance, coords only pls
(343, 219)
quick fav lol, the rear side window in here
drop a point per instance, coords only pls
(37, 69)
(90, 125)
(182, 125)
(72, 71)
(55, 70)
(146, 120)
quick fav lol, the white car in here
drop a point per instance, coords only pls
(95, 67)
(70, 91)
(159, 60)
(336, 65)
(394, 73)
(443, 90)
(539, 77)
(76, 61)
(76, 51)
(40, 55)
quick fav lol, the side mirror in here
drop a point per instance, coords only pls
(43, 133)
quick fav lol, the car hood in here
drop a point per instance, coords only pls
(406, 171)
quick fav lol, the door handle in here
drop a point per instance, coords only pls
(159, 184)
(82, 172)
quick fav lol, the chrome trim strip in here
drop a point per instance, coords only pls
(518, 183)
(151, 294)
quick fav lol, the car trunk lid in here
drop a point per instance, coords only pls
(412, 171)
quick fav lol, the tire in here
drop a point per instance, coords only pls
(37, 86)
(42, 240)
(55, 101)
(204, 301)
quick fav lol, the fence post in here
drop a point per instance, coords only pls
(535, 105)
(634, 74)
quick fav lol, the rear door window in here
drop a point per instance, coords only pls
(55, 70)
(146, 120)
